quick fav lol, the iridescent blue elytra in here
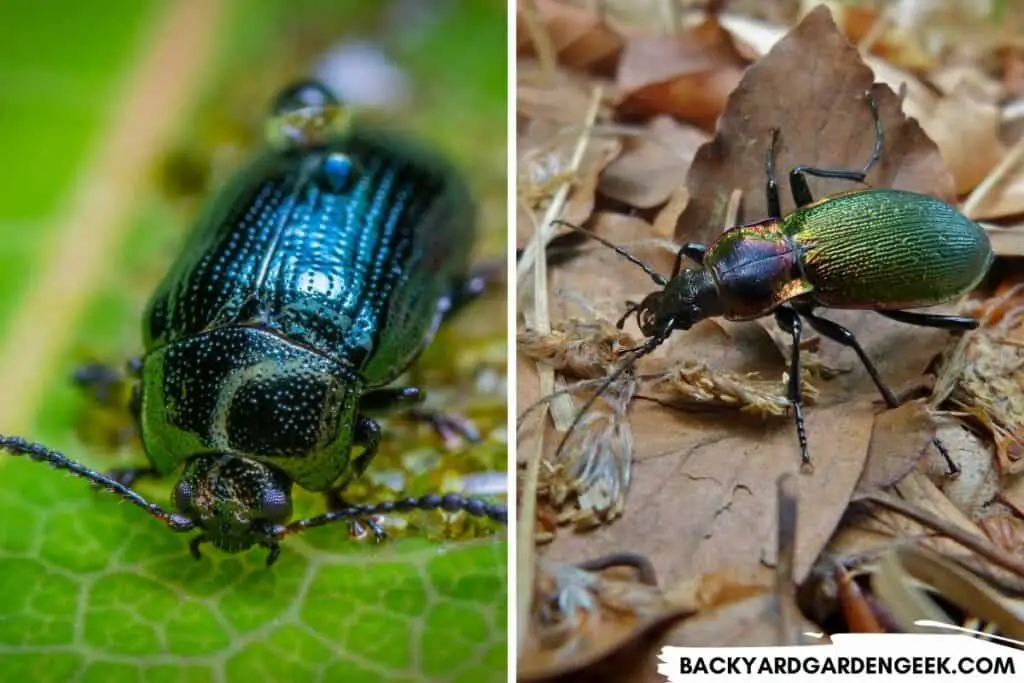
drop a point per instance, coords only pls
(316, 275)
(312, 280)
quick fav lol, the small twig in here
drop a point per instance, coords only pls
(525, 563)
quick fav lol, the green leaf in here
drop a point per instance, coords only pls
(92, 589)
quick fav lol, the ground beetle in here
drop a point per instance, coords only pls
(313, 280)
(875, 249)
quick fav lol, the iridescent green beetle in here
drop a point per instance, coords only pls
(875, 249)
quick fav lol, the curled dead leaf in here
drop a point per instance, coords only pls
(582, 615)
(580, 38)
(653, 164)
(688, 75)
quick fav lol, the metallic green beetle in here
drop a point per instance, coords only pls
(875, 249)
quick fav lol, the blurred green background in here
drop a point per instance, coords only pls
(94, 202)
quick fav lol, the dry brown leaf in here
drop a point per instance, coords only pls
(716, 589)
(653, 164)
(689, 75)
(558, 97)
(1005, 531)
(824, 121)
(898, 440)
(702, 498)
(967, 134)
(545, 153)
(581, 39)
(581, 616)
(665, 222)
(753, 622)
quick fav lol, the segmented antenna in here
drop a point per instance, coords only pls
(654, 275)
(15, 445)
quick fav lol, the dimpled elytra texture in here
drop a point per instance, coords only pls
(93, 591)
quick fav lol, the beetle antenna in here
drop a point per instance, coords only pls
(15, 445)
(657, 277)
(635, 354)
(450, 502)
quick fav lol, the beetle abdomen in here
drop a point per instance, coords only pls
(888, 249)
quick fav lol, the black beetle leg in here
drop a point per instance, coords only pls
(274, 552)
(193, 546)
(368, 436)
(840, 334)
(470, 288)
(101, 382)
(448, 427)
(389, 399)
(790, 322)
(771, 188)
(798, 183)
(694, 251)
(956, 323)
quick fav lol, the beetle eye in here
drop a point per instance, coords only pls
(183, 496)
(275, 506)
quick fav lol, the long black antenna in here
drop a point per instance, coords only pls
(15, 445)
(657, 277)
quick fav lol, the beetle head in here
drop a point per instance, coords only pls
(236, 501)
(686, 299)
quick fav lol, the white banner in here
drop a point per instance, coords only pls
(850, 657)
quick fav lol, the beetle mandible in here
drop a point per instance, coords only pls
(874, 249)
(312, 280)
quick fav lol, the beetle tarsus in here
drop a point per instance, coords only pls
(789, 320)
(451, 428)
(193, 546)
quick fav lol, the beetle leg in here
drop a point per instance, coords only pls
(368, 436)
(945, 322)
(771, 189)
(788, 320)
(449, 427)
(105, 384)
(798, 182)
(694, 251)
(840, 334)
(470, 288)
(389, 399)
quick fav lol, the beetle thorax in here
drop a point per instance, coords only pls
(249, 393)
(687, 299)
